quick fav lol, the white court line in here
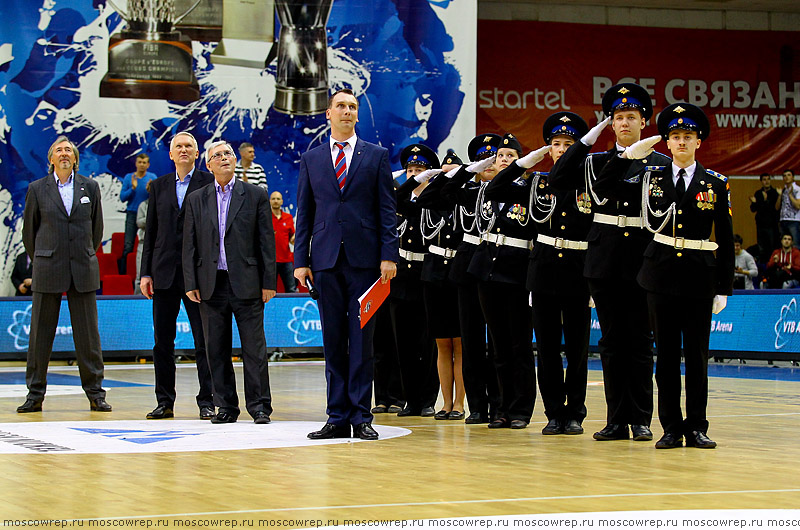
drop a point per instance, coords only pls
(441, 503)
(149, 366)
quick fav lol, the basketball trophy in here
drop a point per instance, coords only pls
(204, 23)
(150, 59)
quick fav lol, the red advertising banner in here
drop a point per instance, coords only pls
(747, 82)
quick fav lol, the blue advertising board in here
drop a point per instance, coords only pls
(764, 323)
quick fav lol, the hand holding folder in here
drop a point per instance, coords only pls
(371, 300)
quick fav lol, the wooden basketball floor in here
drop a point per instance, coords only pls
(441, 469)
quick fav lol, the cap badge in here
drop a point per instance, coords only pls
(679, 109)
(565, 119)
(415, 149)
(623, 90)
(487, 139)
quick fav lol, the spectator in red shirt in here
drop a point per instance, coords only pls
(283, 224)
(783, 267)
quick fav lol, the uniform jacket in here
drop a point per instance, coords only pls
(63, 246)
(360, 217)
(163, 237)
(461, 192)
(614, 252)
(407, 285)
(437, 268)
(704, 206)
(249, 241)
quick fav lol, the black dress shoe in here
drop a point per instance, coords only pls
(641, 433)
(553, 427)
(518, 424)
(427, 412)
(224, 417)
(499, 423)
(612, 431)
(30, 406)
(160, 412)
(476, 417)
(573, 427)
(99, 405)
(365, 431)
(455, 415)
(206, 413)
(669, 441)
(330, 431)
(394, 409)
(261, 418)
(700, 440)
(409, 412)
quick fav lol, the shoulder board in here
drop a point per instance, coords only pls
(720, 176)
(654, 168)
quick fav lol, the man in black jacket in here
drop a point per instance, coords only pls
(763, 204)
(162, 276)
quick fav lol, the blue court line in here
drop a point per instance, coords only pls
(736, 371)
(18, 378)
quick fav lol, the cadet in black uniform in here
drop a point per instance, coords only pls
(501, 265)
(461, 192)
(559, 292)
(683, 277)
(617, 241)
(412, 337)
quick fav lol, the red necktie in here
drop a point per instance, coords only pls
(341, 164)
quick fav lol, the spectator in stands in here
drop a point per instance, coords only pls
(745, 266)
(249, 171)
(283, 224)
(789, 207)
(141, 223)
(764, 204)
(21, 275)
(783, 268)
(134, 192)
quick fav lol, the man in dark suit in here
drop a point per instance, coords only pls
(62, 229)
(229, 269)
(346, 201)
(616, 242)
(21, 275)
(162, 276)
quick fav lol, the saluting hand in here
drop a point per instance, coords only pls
(591, 137)
(481, 165)
(641, 149)
(533, 158)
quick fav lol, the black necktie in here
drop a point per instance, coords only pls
(680, 186)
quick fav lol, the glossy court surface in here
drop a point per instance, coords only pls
(118, 465)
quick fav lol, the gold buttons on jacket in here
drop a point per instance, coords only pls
(563, 214)
(563, 227)
(680, 212)
(626, 234)
(680, 225)
(679, 254)
(560, 255)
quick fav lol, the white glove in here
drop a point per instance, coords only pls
(481, 165)
(426, 175)
(641, 149)
(397, 173)
(450, 174)
(720, 301)
(591, 302)
(533, 158)
(591, 137)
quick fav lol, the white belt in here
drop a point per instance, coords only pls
(562, 243)
(444, 252)
(472, 240)
(618, 220)
(500, 239)
(681, 243)
(412, 256)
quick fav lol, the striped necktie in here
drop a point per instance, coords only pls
(341, 164)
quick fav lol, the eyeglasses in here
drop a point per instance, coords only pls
(221, 154)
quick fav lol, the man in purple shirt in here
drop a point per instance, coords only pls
(229, 269)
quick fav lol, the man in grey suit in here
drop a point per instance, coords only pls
(229, 269)
(62, 228)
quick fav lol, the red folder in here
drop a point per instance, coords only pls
(372, 299)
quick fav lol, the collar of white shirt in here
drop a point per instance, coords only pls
(350, 141)
(689, 172)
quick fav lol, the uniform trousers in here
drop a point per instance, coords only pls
(217, 313)
(415, 350)
(625, 350)
(388, 386)
(166, 307)
(675, 317)
(480, 376)
(44, 319)
(564, 398)
(508, 316)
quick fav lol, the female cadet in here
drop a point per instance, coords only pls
(500, 263)
(559, 292)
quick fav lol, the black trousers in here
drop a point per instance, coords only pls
(217, 313)
(44, 319)
(625, 350)
(480, 376)
(676, 317)
(388, 386)
(166, 307)
(415, 350)
(508, 316)
(564, 397)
